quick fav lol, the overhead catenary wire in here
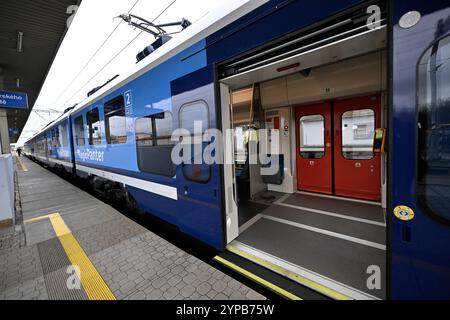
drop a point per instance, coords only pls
(134, 38)
(93, 55)
(117, 54)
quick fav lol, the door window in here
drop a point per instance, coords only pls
(433, 176)
(191, 113)
(312, 136)
(358, 128)
(79, 131)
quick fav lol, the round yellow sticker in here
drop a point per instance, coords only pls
(404, 213)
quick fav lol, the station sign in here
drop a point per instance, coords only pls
(13, 130)
(13, 100)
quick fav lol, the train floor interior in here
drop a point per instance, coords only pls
(327, 241)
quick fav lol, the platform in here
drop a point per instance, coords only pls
(60, 226)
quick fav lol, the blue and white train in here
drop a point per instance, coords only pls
(292, 66)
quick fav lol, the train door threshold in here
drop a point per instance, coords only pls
(331, 246)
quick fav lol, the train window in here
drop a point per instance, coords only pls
(192, 115)
(164, 128)
(93, 123)
(155, 130)
(56, 138)
(79, 131)
(312, 136)
(64, 135)
(49, 142)
(154, 145)
(115, 121)
(433, 176)
(358, 127)
(51, 139)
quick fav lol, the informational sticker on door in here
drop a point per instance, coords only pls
(404, 213)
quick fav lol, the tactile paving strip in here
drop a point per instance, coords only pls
(55, 266)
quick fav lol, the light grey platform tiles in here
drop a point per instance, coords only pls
(131, 261)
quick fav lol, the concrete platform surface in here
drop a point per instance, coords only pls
(73, 246)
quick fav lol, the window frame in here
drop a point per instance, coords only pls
(342, 135)
(422, 204)
(324, 136)
(106, 120)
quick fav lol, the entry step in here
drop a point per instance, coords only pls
(273, 281)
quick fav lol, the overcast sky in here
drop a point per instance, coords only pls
(92, 24)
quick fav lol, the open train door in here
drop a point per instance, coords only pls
(419, 204)
(229, 178)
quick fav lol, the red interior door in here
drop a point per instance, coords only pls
(356, 168)
(313, 127)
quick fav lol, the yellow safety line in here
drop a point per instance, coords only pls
(256, 278)
(24, 168)
(93, 283)
(289, 274)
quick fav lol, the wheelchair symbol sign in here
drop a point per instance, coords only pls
(404, 213)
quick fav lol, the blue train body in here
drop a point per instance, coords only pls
(193, 198)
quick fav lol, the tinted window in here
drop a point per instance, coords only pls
(93, 122)
(312, 136)
(154, 145)
(433, 178)
(190, 114)
(358, 127)
(79, 131)
(115, 121)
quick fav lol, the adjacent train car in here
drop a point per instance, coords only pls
(53, 145)
(351, 213)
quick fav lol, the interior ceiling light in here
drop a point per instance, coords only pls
(291, 66)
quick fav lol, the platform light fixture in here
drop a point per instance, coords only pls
(20, 41)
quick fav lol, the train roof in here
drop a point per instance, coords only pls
(213, 21)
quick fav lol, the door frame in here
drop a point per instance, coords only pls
(380, 121)
(231, 216)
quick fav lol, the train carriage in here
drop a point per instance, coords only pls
(355, 94)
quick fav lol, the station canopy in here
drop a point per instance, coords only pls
(30, 35)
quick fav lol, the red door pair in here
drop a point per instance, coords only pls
(334, 151)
